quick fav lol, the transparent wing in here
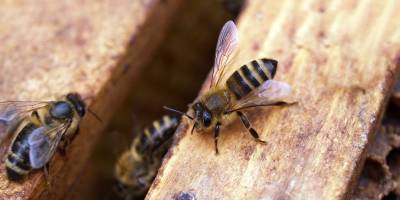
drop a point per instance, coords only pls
(11, 112)
(228, 41)
(43, 142)
(268, 93)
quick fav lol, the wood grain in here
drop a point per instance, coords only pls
(49, 48)
(340, 57)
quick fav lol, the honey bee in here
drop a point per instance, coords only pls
(248, 87)
(137, 167)
(39, 128)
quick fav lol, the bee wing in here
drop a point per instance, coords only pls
(11, 112)
(268, 93)
(228, 41)
(43, 142)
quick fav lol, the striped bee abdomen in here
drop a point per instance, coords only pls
(251, 75)
(159, 132)
(136, 168)
(18, 162)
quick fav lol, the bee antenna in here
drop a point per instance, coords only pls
(95, 115)
(194, 125)
(179, 112)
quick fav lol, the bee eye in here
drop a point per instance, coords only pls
(78, 104)
(206, 118)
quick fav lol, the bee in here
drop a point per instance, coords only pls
(39, 128)
(248, 87)
(137, 167)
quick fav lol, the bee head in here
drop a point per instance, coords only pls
(123, 191)
(131, 177)
(119, 187)
(76, 100)
(127, 192)
(203, 116)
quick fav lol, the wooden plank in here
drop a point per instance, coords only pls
(49, 48)
(340, 57)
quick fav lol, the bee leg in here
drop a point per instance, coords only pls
(191, 132)
(64, 143)
(63, 146)
(46, 173)
(216, 135)
(247, 124)
(76, 133)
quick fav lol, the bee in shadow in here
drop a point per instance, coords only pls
(39, 129)
(137, 167)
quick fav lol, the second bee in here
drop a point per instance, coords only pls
(137, 167)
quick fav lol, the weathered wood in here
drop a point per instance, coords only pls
(379, 177)
(49, 48)
(340, 58)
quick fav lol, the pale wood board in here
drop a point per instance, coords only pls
(340, 58)
(95, 48)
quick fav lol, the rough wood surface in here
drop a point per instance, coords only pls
(49, 48)
(340, 57)
(380, 176)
